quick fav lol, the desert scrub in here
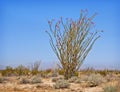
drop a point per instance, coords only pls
(2, 80)
(24, 80)
(52, 74)
(56, 79)
(94, 80)
(73, 79)
(8, 71)
(110, 88)
(21, 70)
(61, 84)
(36, 79)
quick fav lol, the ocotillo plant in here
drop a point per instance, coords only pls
(71, 41)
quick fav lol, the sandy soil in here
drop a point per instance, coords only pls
(12, 85)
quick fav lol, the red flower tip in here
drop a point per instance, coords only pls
(48, 22)
(89, 19)
(59, 22)
(92, 23)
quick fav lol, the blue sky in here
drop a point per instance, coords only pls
(23, 23)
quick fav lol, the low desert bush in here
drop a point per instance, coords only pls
(24, 80)
(110, 88)
(1, 79)
(61, 84)
(34, 67)
(61, 72)
(73, 79)
(8, 71)
(56, 79)
(102, 72)
(21, 70)
(94, 80)
(36, 79)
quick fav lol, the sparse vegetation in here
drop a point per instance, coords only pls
(1, 79)
(86, 80)
(35, 67)
(73, 79)
(94, 80)
(24, 80)
(110, 88)
(21, 70)
(56, 79)
(36, 79)
(61, 83)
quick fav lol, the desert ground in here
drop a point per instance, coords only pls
(84, 82)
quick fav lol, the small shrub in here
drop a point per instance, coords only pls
(56, 79)
(24, 81)
(1, 79)
(61, 84)
(103, 72)
(21, 70)
(73, 79)
(95, 80)
(47, 71)
(61, 72)
(36, 79)
(78, 81)
(43, 75)
(76, 73)
(54, 74)
(8, 71)
(110, 89)
(35, 67)
(92, 79)
(4, 79)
